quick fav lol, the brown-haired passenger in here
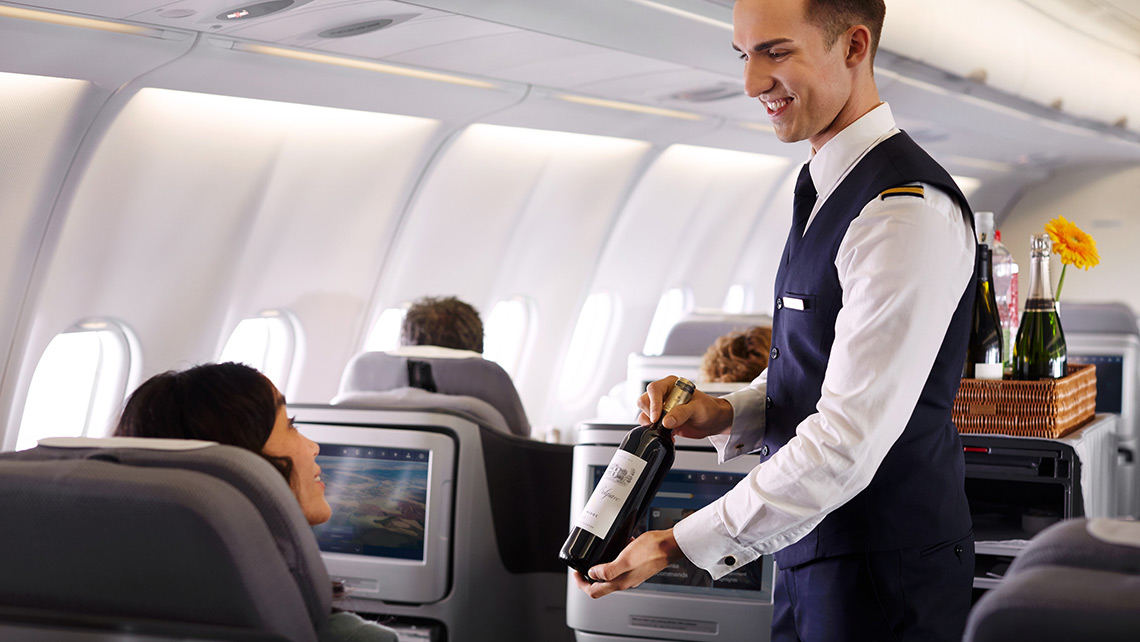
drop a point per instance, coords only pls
(737, 356)
(445, 322)
(236, 405)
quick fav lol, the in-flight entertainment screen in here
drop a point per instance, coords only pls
(379, 500)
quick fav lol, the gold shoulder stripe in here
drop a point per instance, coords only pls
(902, 191)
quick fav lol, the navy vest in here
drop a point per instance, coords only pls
(917, 496)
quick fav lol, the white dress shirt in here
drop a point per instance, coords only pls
(903, 265)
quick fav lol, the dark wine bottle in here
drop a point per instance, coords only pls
(984, 352)
(1040, 351)
(622, 497)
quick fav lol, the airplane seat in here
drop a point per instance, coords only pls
(470, 408)
(474, 377)
(1101, 318)
(693, 335)
(1106, 335)
(507, 501)
(1077, 580)
(158, 537)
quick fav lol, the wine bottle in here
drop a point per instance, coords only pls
(622, 497)
(1040, 351)
(1006, 293)
(984, 352)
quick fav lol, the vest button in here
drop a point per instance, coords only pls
(764, 450)
(775, 353)
(767, 402)
(780, 303)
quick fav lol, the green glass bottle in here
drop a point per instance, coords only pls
(1040, 351)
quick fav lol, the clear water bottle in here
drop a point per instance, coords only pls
(1006, 293)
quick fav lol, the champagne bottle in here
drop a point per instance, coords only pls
(622, 497)
(984, 352)
(1040, 351)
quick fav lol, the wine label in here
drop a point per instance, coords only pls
(988, 370)
(613, 490)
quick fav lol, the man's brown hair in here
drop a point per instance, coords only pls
(834, 17)
(443, 321)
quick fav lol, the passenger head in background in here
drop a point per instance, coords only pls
(443, 321)
(737, 356)
(232, 404)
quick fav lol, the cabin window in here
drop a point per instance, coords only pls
(738, 300)
(507, 332)
(385, 333)
(670, 308)
(587, 345)
(269, 342)
(80, 382)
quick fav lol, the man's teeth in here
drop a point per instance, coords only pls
(776, 105)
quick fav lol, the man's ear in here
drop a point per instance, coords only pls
(857, 39)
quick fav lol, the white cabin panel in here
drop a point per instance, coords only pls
(1101, 200)
(42, 121)
(323, 228)
(510, 211)
(691, 205)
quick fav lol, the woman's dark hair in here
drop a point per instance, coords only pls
(230, 403)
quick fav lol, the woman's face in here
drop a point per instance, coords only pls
(287, 441)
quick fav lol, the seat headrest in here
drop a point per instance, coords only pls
(484, 380)
(1099, 318)
(470, 408)
(268, 501)
(693, 335)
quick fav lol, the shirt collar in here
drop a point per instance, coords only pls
(836, 158)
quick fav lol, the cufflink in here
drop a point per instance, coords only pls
(730, 561)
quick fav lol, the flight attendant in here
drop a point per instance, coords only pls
(860, 491)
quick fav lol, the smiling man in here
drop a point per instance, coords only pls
(860, 493)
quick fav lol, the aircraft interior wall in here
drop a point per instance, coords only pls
(180, 183)
(1102, 201)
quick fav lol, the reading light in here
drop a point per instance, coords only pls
(354, 63)
(684, 14)
(641, 109)
(76, 21)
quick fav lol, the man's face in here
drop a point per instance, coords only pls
(787, 65)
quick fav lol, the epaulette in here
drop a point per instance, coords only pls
(906, 190)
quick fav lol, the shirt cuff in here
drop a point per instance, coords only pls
(748, 422)
(703, 539)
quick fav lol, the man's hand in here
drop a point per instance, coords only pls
(701, 417)
(643, 558)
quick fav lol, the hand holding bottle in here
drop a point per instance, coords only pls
(701, 417)
(643, 558)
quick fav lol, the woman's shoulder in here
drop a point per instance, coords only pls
(350, 627)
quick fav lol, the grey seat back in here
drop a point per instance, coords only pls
(208, 537)
(370, 372)
(1068, 584)
(1100, 318)
(693, 335)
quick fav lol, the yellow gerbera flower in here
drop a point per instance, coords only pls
(1074, 246)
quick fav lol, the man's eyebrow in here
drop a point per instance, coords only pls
(767, 44)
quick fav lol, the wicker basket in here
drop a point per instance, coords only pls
(1050, 408)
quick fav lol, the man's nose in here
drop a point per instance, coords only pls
(757, 80)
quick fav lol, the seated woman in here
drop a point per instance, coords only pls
(737, 356)
(234, 404)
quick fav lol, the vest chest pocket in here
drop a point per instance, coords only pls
(796, 302)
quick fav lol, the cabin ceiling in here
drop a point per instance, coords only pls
(674, 54)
